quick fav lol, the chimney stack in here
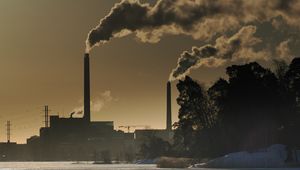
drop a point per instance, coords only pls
(169, 112)
(87, 112)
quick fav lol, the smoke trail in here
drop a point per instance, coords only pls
(200, 19)
(283, 51)
(98, 102)
(237, 47)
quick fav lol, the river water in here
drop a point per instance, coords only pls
(81, 166)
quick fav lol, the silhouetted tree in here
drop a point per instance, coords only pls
(196, 113)
(254, 108)
(291, 126)
(218, 94)
(293, 78)
(280, 69)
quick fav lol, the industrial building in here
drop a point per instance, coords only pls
(80, 139)
(143, 135)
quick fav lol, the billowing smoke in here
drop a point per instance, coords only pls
(237, 47)
(97, 102)
(201, 19)
(284, 52)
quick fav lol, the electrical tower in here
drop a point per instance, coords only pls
(46, 110)
(8, 125)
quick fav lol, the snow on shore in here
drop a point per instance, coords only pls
(271, 157)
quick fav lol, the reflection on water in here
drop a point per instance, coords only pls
(84, 166)
(70, 166)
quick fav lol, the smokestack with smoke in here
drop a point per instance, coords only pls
(200, 19)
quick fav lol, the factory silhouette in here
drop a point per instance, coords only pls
(80, 139)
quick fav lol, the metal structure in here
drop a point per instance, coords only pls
(134, 126)
(46, 115)
(8, 128)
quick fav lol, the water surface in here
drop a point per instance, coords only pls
(86, 166)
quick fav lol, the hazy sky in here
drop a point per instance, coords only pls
(41, 49)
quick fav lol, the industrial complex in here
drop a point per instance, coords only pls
(80, 139)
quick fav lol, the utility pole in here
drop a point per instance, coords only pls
(46, 115)
(8, 125)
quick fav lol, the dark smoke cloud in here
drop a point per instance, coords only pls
(283, 51)
(200, 19)
(235, 48)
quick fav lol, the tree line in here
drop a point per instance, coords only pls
(252, 108)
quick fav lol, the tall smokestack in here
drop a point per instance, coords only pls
(169, 114)
(87, 112)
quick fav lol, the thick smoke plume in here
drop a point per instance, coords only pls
(200, 19)
(237, 47)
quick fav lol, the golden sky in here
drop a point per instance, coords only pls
(41, 51)
(42, 43)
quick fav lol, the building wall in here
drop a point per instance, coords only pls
(75, 139)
